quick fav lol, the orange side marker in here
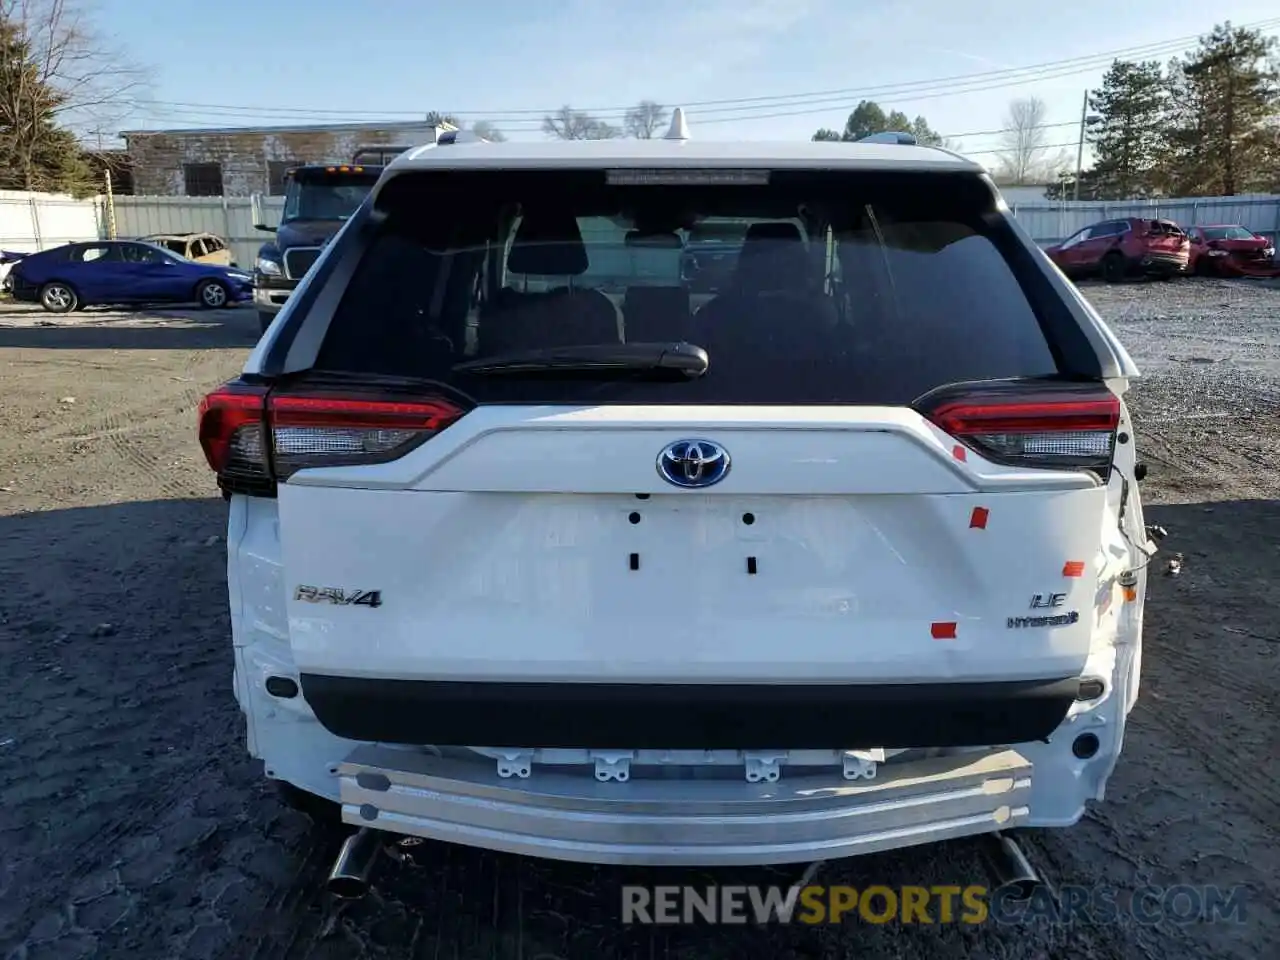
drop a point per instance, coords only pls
(1073, 568)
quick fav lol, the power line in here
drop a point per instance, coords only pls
(968, 134)
(1038, 149)
(708, 110)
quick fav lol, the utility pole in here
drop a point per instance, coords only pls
(1084, 118)
(111, 206)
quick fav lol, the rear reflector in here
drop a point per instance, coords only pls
(253, 438)
(1056, 426)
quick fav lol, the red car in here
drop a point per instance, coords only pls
(1230, 250)
(1115, 249)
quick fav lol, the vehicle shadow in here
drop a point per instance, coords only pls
(122, 755)
(146, 328)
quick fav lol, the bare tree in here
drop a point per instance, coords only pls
(644, 120)
(1022, 143)
(487, 131)
(435, 119)
(570, 124)
(58, 80)
(95, 83)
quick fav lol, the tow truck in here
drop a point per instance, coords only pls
(318, 201)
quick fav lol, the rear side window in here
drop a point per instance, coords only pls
(89, 254)
(813, 288)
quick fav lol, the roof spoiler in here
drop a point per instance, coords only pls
(891, 136)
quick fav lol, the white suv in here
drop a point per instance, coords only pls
(533, 549)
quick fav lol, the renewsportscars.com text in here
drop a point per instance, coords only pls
(939, 904)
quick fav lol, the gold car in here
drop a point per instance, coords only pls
(201, 247)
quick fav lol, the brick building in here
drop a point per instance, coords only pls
(238, 161)
(115, 161)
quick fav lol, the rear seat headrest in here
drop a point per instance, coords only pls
(772, 257)
(772, 230)
(548, 244)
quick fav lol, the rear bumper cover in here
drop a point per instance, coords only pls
(689, 716)
(695, 823)
(1163, 262)
(22, 290)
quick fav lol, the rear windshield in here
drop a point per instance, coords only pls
(840, 288)
(1227, 233)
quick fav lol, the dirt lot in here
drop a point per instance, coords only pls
(133, 825)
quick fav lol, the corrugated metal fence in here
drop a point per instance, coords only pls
(1049, 222)
(38, 221)
(228, 217)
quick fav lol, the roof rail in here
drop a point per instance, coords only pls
(891, 136)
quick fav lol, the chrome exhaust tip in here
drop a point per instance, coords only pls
(1013, 870)
(349, 878)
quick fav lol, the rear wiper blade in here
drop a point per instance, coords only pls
(668, 360)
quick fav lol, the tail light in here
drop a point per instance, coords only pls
(1050, 426)
(233, 437)
(253, 437)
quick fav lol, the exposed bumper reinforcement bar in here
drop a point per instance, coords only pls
(565, 816)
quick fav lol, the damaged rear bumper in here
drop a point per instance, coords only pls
(1163, 264)
(571, 816)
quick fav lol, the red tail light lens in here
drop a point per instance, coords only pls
(233, 438)
(1047, 426)
(253, 438)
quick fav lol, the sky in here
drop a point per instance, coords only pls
(742, 69)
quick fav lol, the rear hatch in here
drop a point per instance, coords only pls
(859, 505)
(1166, 240)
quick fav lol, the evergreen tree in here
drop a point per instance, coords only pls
(868, 117)
(435, 118)
(35, 153)
(1226, 99)
(1129, 138)
(1065, 188)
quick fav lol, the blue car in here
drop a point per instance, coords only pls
(123, 271)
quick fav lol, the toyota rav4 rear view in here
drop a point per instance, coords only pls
(535, 546)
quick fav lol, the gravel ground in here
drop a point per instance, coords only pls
(134, 825)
